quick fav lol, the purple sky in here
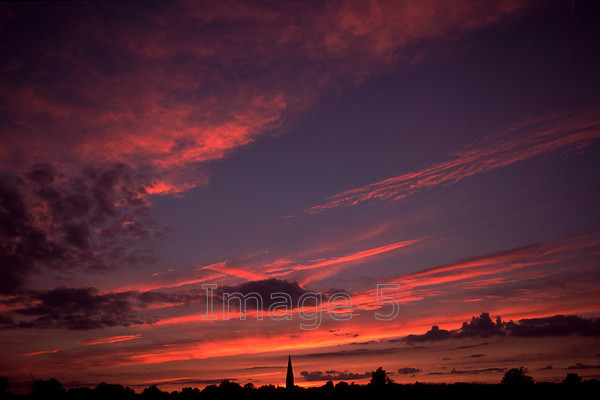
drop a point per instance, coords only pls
(450, 148)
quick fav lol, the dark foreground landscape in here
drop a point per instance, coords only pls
(515, 384)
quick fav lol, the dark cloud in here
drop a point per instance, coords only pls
(78, 309)
(476, 355)
(363, 351)
(22, 245)
(470, 346)
(469, 371)
(333, 375)
(368, 342)
(355, 352)
(433, 335)
(95, 220)
(476, 371)
(546, 368)
(265, 288)
(6, 320)
(483, 326)
(583, 366)
(190, 381)
(86, 308)
(408, 370)
(178, 297)
(558, 325)
(346, 334)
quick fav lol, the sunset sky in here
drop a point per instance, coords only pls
(449, 148)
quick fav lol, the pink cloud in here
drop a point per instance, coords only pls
(36, 353)
(111, 339)
(164, 101)
(525, 140)
(485, 278)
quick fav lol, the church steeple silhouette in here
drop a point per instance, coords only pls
(289, 379)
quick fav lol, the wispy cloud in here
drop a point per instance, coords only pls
(111, 339)
(36, 353)
(529, 273)
(502, 262)
(254, 268)
(524, 140)
(165, 100)
(320, 269)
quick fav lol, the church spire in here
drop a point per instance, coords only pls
(289, 379)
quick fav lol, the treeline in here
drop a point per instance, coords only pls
(571, 387)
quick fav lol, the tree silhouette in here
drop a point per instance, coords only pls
(187, 393)
(327, 387)
(517, 376)
(50, 389)
(210, 390)
(115, 392)
(229, 387)
(572, 379)
(380, 378)
(154, 393)
(516, 383)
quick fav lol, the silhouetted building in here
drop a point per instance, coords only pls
(289, 379)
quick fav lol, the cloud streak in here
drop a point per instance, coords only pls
(500, 263)
(290, 268)
(111, 339)
(320, 269)
(524, 140)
